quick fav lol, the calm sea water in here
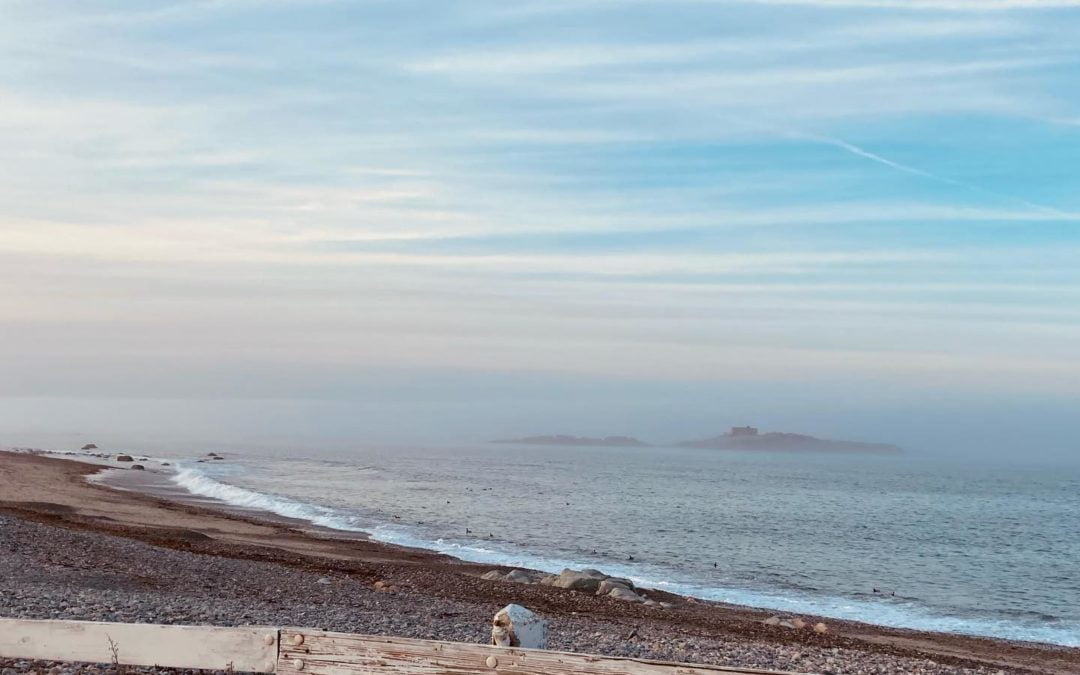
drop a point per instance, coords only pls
(988, 550)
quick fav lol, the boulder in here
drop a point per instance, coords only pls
(608, 585)
(138, 467)
(586, 580)
(625, 594)
(548, 579)
(125, 458)
(89, 446)
(519, 577)
(494, 575)
(516, 626)
(821, 628)
(798, 623)
(323, 580)
(772, 621)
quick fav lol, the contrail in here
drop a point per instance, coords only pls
(866, 154)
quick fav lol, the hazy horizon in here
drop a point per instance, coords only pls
(429, 222)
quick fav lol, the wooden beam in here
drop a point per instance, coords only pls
(249, 649)
(307, 652)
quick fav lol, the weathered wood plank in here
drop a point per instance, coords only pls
(306, 652)
(251, 649)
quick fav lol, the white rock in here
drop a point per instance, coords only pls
(585, 580)
(608, 585)
(625, 594)
(516, 626)
(519, 577)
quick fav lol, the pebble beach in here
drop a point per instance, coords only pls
(57, 563)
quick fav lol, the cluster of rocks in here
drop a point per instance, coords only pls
(129, 458)
(796, 623)
(585, 581)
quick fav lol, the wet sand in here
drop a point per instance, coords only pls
(54, 495)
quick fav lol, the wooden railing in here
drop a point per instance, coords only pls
(302, 651)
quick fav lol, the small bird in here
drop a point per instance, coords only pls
(490, 536)
(468, 531)
(629, 557)
(714, 565)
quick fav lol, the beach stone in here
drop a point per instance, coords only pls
(516, 626)
(608, 585)
(548, 579)
(772, 621)
(625, 594)
(519, 577)
(323, 580)
(125, 458)
(138, 467)
(587, 580)
(798, 623)
(787, 624)
(820, 628)
(493, 575)
(89, 446)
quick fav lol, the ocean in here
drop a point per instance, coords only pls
(973, 548)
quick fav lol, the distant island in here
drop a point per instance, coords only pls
(738, 438)
(609, 441)
(748, 438)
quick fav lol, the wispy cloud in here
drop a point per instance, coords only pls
(685, 190)
(932, 5)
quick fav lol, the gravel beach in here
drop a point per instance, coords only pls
(56, 564)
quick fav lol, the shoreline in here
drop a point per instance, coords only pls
(53, 491)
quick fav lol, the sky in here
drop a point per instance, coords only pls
(405, 221)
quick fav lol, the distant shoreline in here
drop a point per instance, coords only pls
(738, 438)
(578, 441)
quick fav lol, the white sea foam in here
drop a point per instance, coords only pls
(198, 483)
(881, 612)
